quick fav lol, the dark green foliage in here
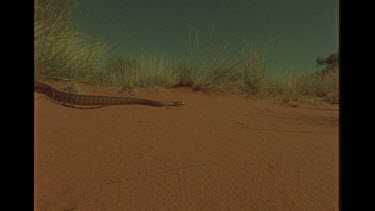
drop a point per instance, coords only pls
(330, 63)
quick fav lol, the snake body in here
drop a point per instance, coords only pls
(70, 99)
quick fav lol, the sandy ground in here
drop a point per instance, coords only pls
(218, 152)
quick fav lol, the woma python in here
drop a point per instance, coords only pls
(72, 100)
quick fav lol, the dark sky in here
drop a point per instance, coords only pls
(294, 32)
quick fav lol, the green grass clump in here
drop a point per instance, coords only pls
(222, 79)
(186, 73)
(151, 72)
(61, 51)
(255, 75)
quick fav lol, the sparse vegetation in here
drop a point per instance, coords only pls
(62, 52)
(304, 86)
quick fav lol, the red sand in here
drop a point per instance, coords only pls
(217, 152)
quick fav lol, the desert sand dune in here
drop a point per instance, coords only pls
(217, 152)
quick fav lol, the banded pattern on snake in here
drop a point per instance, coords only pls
(71, 100)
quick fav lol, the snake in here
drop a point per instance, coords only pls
(93, 101)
